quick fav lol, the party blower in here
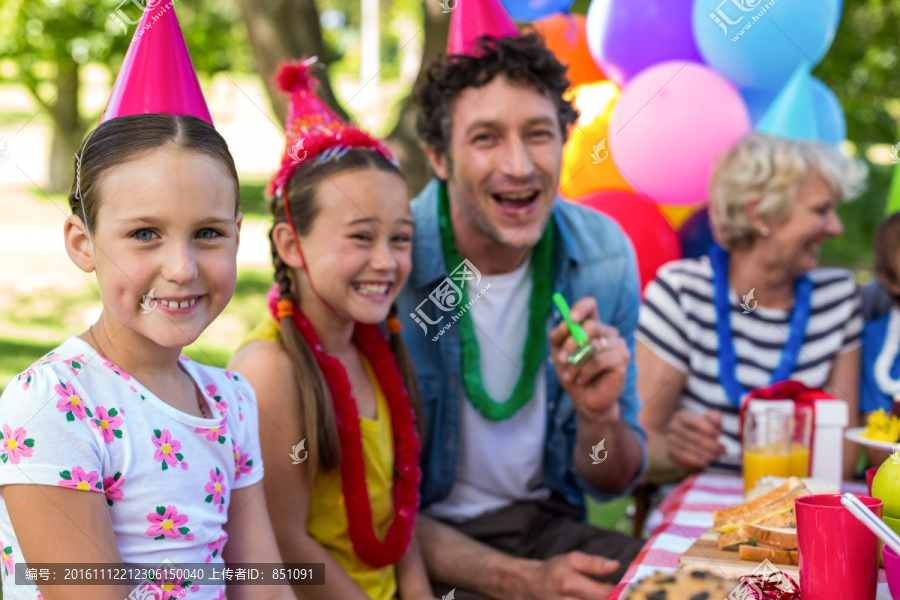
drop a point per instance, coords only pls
(585, 348)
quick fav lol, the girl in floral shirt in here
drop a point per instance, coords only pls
(115, 448)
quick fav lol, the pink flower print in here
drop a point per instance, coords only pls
(8, 563)
(221, 405)
(112, 487)
(241, 464)
(78, 479)
(51, 356)
(71, 403)
(29, 376)
(75, 363)
(216, 488)
(221, 595)
(216, 434)
(215, 548)
(120, 372)
(14, 445)
(167, 523)
(167, 449)
(108, 423)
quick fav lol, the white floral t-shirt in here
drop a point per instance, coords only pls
(76, 420)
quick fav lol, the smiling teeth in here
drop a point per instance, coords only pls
(519, 196)
(372, 289)
(182, 304)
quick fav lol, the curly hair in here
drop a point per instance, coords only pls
(771, 170)
(524, 60)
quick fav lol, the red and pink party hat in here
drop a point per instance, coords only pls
(157, 75)
(314, 131)
(472, 19)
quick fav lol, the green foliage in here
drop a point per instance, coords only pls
(42, 36)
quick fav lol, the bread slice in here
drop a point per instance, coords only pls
(762, 513)
(773, 555)
(782, 516)
(778, 538)
(733, 513)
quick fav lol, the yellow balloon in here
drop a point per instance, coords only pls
(677, 215)
(587, 164)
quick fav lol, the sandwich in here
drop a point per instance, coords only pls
(769, 521)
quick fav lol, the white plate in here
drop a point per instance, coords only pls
(855, 435)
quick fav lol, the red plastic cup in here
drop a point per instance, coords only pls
(870, 475)
(838, 554)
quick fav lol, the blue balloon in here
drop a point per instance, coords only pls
(759, 44)
(526, 11)
(758, 101)
(830, 119)
(695, 234)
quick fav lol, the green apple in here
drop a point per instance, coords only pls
(886, 487)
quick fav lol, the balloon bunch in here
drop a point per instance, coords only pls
(665, 86)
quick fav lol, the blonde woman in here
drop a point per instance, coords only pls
(760, 291)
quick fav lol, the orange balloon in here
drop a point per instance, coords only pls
(566, 36)
(587, 164)
(677, 215)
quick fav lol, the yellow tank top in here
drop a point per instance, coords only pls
(327, 519)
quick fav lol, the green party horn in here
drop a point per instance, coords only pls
(585, 348)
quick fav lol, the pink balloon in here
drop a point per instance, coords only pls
(668, 127)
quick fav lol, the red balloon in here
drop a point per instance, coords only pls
(655, 242)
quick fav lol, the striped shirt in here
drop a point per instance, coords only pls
(678, 323)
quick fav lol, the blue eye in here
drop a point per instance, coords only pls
(214, 233)
(139, 235)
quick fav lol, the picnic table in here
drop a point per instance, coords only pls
(685, 515)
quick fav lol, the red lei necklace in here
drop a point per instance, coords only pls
(371, 342)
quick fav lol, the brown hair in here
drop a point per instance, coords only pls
(123, 139)
(319, 425)
(886, 246)
(524, 60)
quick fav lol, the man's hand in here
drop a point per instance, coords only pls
(567, 576)
(595, 386)
(692, 440)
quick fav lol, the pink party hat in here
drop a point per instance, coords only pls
(472, 19)
(313, 130)
(157, 75)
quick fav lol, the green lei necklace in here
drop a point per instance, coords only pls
(538, 310)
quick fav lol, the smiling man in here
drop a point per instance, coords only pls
(515, 435)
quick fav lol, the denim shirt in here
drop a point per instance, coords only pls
(592, 257)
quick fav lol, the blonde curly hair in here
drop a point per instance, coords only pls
(771, 170)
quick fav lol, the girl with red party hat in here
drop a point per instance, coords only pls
(344, 451)
(116, 448)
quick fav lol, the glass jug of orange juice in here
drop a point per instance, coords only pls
(768, 434)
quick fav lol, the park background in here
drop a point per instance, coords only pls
(59, 58)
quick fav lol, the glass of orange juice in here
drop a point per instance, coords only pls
(803, 418)
(768, 434)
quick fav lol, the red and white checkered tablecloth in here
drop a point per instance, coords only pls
(683, 516)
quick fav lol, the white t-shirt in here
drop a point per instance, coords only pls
(76, 420)
(499, 462)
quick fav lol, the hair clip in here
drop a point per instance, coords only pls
(77, 176)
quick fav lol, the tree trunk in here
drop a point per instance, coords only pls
(403, 139)
(281, 30)
(67, 130)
